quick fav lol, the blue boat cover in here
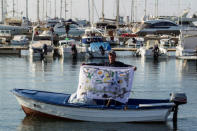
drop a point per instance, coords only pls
(95, 46)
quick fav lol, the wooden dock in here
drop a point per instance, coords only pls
(135, 49)
(17, 49)
(12, 49)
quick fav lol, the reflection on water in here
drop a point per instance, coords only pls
(39, 124)
(152, 80)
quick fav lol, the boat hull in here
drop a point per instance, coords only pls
(33, 107)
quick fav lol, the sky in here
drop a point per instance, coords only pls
(79, 8)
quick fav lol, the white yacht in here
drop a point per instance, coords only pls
(187, 46)
(182, 20)
(157, 27)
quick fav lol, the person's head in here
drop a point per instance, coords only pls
(112, 56)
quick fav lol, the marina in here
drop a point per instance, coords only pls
(98, 65)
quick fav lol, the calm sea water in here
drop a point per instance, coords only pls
(152, 80)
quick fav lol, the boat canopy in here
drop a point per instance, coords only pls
(100, 82)
(97, 45)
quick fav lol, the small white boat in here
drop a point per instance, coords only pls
(187, 46)
(41, 49)
(20, 40)
(69, 48)
(101, 101)
(135, 41)
(152, 50)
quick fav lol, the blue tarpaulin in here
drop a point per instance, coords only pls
(96, 45)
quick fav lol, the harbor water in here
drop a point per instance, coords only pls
(153, 79)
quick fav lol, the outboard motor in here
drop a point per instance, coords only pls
(156, 52)
(178, 99)
(45, 49)
(74, 51)
(102, 50)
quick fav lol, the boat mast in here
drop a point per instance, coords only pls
(103, 10)
(2, 11)
(55, 8)
(65, 9)
(43, 9)
(27, 8)
(50, 8)
(38, 11)
(61, 9)
(117, 13)
(89, 10)
(132, 11)
(46, 9)
(145, 8)
(92, 12)
(13, 9)
(71, 6)
(156, 8)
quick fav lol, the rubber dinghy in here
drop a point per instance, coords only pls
(102, 96)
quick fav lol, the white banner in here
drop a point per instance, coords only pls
(98, 82)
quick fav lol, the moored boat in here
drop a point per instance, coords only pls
(101, 97)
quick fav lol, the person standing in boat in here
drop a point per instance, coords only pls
(112, 62)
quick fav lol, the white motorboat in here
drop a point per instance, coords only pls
(187, 46)
(135, 42)
(152, 50)
(41, 49)
(101, 101)
(20, 40)
(70, 48)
